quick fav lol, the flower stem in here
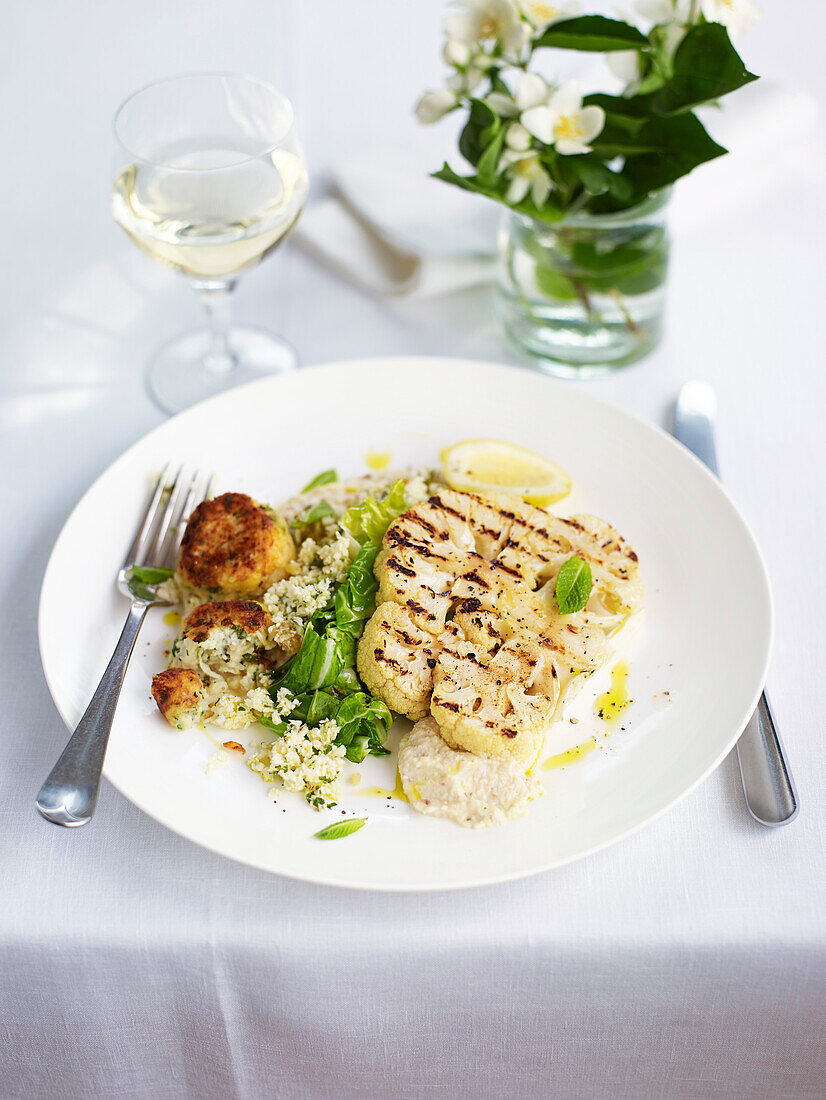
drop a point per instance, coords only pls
(630, 323)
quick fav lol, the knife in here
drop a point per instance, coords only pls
(768, 786)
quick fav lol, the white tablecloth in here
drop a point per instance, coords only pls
(687, 961)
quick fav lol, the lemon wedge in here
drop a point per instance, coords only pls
(490, 465)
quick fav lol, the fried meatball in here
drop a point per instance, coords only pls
(179, 693)
(223, 637)
(234, 547)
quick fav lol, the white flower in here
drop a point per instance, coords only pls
(563, 122)
(456, 53)
(531, 91)
(435, 105)
(526, 173)
(496, 21)
(464, 82)
(735, 15)
(517, 137)
(541, 14)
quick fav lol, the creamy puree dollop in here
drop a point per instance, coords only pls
(475, 791)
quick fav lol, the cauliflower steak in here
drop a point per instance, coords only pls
(467, 628)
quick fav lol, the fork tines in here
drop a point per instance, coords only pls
(175, 495)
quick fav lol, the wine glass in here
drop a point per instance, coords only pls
(209, 179)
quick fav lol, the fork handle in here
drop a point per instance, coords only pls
(768, 785)
(70, 793)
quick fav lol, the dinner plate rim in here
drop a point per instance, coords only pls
(409, 361)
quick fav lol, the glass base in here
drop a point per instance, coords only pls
(178, 375)
(564, 345)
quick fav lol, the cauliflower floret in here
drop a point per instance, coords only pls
(179, 694)
(396, 658)
(234, 547)
(223, 638)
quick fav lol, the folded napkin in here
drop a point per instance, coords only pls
(393, 230)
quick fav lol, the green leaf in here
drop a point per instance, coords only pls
(489, 160)
(318, 511)
(597, 178)
(341, 828)
(621, 107)
(279, 728)
(615, 262)
(368, 521)
(326, 477)
(573, 585)
(316, 665)
(683, 145)
(481, 128)
(645, 280)
(347, 682)
(147, 574)
(554, 284)
(706, 67)
(593, 33)
(551, 211)
(313, 707)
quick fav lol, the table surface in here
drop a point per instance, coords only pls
(689, 960)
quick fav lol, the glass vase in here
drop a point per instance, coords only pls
(585, 295)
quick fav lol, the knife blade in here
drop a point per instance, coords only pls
(768, 786)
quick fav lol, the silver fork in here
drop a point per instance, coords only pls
(70, 793)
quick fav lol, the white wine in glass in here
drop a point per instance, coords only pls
(209, 180)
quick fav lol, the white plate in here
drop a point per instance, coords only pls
(704, 640)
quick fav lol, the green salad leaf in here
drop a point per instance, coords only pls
(322, 675)
(573, 585)
(368, 521)
(151, 574)
(363, 724)
(341, 828)
(316, 665)
(326, 477)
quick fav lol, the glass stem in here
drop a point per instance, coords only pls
(215, 294)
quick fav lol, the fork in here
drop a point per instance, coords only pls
(70, 793)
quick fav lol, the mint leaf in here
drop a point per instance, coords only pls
(573, 585)
(324, 478)
(593, 33)
(151, 575)
(341, 828)
(318, 511)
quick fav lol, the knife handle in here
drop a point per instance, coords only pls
(768, 786)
